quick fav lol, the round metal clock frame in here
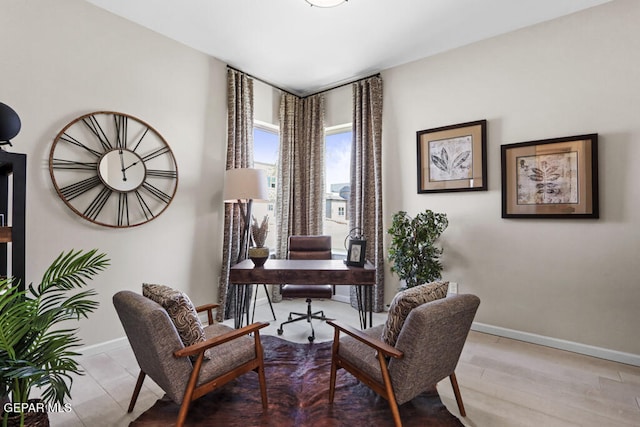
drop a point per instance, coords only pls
(113, 169)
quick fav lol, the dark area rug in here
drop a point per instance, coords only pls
(298, 390)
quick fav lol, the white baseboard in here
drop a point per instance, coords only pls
(341, 298)
(575, 347)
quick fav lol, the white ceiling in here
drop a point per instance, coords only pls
(306, 49)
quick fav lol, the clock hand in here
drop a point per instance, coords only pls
(132, 164)
(123, 169)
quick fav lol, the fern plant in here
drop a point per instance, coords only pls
(415, 257)
(36, 347)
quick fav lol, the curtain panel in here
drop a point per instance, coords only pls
(300, 194)
(365, 201)
(239, 155)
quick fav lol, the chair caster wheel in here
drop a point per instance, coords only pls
(311, 339)
(280, 331)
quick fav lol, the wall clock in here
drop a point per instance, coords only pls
(113, 169)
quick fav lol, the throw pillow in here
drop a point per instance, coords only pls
(406, 301)
(180, 309)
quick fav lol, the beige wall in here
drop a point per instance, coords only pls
(65, 58)
(574, 280)
(570, 280)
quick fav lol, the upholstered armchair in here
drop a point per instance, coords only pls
(186, 372)
(426, 348)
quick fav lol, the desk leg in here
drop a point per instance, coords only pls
(370, 292)
(241, 305)
(362, 306)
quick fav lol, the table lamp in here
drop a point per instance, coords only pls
(244, 186)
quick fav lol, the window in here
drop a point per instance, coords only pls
(266, 142)
(338, 184)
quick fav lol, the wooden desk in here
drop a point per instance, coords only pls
(303, 272)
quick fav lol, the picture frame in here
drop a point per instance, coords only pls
(356, 252)
(452, 158)
(551, 178)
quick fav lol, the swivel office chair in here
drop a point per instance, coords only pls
(307, 247)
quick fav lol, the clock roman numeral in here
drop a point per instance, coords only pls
(157, 193)
(123, 209)
(72, 191)
(148, 214)
(162, 174)
(68, 138)
(98, 203)
(159, 152)
(96, 129)
(153, 191)
(73, 165)
(121, 123)
(135, 147)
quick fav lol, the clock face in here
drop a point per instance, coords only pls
(113, 169)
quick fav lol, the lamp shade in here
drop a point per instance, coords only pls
(9, 122)
(245, 184)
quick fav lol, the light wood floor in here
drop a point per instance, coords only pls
(503, 382)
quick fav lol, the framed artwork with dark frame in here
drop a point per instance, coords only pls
(453, 158)
(356, 253)
(551, 178)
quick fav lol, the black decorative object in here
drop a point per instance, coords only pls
(357, 248)
(13, 178)
(9, 124)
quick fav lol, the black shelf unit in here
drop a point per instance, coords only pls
(13, 190)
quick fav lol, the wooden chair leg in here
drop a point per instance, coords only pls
(391, 395)
(188, 392)
(260, 369)
(456, 392)
(136, 391)
(263, 387)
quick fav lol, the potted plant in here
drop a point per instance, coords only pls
(259, 252)
(36, 350)
(415, 257)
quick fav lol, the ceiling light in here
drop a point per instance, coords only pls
(326, 3)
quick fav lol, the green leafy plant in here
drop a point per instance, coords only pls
(35, 349)
(415, 258)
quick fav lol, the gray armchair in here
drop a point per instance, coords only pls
(426, 351)
(184, 373)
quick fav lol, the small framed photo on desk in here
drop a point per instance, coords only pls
(356, 253)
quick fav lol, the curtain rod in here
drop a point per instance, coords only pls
(263, 81)
(343, 84)
(305, 96)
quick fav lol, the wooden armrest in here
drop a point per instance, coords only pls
(374, 343)
(206, 307)
(209, 309)
(200, 347)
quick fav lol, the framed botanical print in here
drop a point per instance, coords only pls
(551, 178)
(453, 158)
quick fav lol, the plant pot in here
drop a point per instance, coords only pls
(259, 255)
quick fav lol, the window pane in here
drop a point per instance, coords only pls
(265, 156)
(338, 185)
